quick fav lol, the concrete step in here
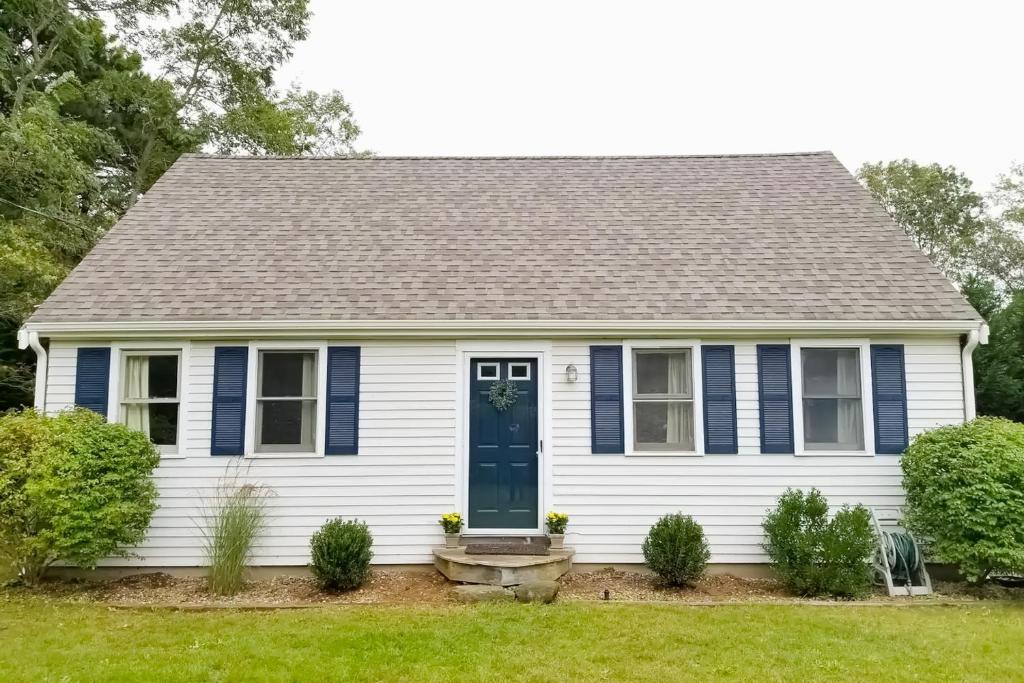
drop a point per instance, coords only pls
(502, 570)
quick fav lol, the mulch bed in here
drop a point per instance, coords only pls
(430, 588)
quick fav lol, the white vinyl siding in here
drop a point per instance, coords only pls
(404, 476)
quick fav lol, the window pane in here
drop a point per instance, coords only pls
(163, 376)
(290, 373)
(157, 420)
(150, 377)
(833, 424)
(662, 372)
(163, 423)
(831, 372)
(663, 425)
(286, 425)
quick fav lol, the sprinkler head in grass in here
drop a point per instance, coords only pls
(607, 594)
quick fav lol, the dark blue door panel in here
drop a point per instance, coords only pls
(503, 450)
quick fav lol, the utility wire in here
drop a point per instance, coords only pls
(44, 215)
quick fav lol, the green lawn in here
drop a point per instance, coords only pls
(42, 640)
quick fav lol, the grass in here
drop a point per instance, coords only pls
(57, 640)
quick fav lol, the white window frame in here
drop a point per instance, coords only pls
(480, 371)
(867, 408)
(252, 375)
(183, 351)
(698, 394)
(519, 365)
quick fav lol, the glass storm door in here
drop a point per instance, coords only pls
(503, 447)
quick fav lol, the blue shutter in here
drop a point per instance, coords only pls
(92, 379)
(606, 418)
(775, 398)
(342, 400)
(230, 369)
(719, 380)
(889, 394)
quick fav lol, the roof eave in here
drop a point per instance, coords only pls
(237, 329)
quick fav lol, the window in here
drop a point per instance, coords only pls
(150, 396)
(519, 371)
(487, 371)
(286, 402)
(832, 409)
(662, 400)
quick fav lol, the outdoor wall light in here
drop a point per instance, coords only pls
(570, 373)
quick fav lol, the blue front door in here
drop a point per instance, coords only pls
(503, 447)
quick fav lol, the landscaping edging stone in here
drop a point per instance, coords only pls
(536, 591)
(474, 593)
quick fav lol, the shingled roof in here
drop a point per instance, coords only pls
(773, 237)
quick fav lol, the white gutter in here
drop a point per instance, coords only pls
(974, 337)
(485, 328)
(28, 338)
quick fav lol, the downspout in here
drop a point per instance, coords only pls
(974, 337)
(25, 340)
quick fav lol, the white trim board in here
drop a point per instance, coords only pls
(230, 329)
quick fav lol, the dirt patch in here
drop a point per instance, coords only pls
(430, 588)
(383, 588)
(633, 586)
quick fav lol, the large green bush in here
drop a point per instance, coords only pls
(675, 549)
(341, 553)
(965, 494)
(813, 555)
(73, 488)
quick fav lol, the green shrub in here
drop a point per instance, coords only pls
(341, 554)
(675, 549)
(965, 495)
(237, 514)
(73, 488)
(815, 556)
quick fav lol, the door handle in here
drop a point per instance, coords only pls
(540, 447)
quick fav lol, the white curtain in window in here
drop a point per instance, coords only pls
(308, 407)
(679, 422)
(848, 384)
(136, 386)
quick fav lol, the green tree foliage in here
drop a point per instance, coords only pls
(85, 128)
(73, 488)
(939, 209)
(999, 365)
(965, 494)
(814, 555)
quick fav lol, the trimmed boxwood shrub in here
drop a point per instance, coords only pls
(675, 549)
(341, 554)
(813, 555)
(73, 488)
(965, 495)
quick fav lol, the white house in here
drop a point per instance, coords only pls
(683, 333)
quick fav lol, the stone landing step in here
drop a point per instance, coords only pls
(502, 570)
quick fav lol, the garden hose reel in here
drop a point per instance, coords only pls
(898, 562)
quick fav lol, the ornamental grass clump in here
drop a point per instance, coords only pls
(814, 555)
(238, 515)
(73, 488)
(965, 495)
(675, 549)
(341, 552)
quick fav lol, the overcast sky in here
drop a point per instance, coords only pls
(933, 81)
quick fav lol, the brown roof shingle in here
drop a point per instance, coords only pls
(780, 237)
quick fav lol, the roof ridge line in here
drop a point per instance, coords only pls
(581, 157)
